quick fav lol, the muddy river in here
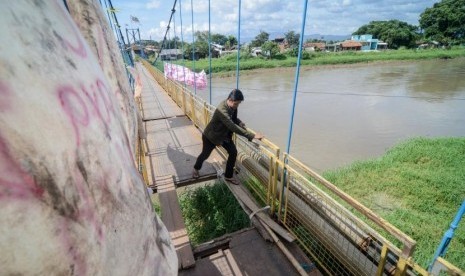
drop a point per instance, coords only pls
(349, 113)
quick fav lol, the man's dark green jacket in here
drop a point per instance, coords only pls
(223, 123)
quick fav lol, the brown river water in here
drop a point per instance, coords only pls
(349, 113)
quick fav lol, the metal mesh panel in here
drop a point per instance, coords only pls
(330, 235)
(366, 215)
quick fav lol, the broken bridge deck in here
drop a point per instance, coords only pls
(172, 145)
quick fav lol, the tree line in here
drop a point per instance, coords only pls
(444, 22)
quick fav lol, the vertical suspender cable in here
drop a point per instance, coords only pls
(119, 33)
(175, 43)
(167, 29)
(120, 43)
(168, 53)
(193, 47)
(238, 44)
(209, 52)
(182, 45)
(114, 30)
(297, 73)
(111, 22)
(140, 46)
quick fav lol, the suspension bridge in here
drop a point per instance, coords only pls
(302, 223)
(305, 207)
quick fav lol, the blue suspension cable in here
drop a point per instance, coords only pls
(140, 46)
(169, 42)
(297, 73)
(114, 30)
(175, 44)
(174, 33)
(448, 235)
(111, 22)
(182, 45)
(209, 52)
(120, 44)
(167, 29)
(193, 47)
(119, 33)
(238, 45)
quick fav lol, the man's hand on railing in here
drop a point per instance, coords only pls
(259, 136)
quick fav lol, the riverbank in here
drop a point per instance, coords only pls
(418, 187)
(226, 66)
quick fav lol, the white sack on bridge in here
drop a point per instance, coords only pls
(71, 200)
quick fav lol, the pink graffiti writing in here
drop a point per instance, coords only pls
(14, 181)
(78, 49)
(75, 108)
(81, 104)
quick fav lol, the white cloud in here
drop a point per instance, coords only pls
(153, 4)
(346, 2)
(337, 17)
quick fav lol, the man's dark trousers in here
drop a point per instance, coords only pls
(207, 149)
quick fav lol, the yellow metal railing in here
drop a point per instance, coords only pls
(141, 146)
(312, 208)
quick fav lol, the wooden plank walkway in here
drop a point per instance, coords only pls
(156, 104)
(173, 142)
(172, 218)
(172, 146)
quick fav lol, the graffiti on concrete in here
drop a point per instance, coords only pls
(71, 198)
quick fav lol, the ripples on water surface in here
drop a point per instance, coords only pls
(352, 113)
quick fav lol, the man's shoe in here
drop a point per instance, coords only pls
(195, 174)
(232, 180)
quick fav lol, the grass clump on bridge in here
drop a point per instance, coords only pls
(418, 186)
(211, 211)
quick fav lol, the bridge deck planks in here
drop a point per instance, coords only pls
(172, 149)
(172, 141)
(156, 104)
(172, 218)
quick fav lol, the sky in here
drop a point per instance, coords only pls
(276, 17)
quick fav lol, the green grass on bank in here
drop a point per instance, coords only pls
(210, 212)
(228, 63)
(418, 186)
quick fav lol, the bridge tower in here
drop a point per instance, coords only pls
(133, 37)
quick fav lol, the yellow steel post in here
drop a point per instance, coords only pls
(194, 118)
(275, 181)
(280, 194)
(279, 198)
(144, 167)
(288, 176)
(401, 267)
(205, 114)
(382, 261)
(173, 90)
(270, 183)
(178, 95)
(184, 100)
